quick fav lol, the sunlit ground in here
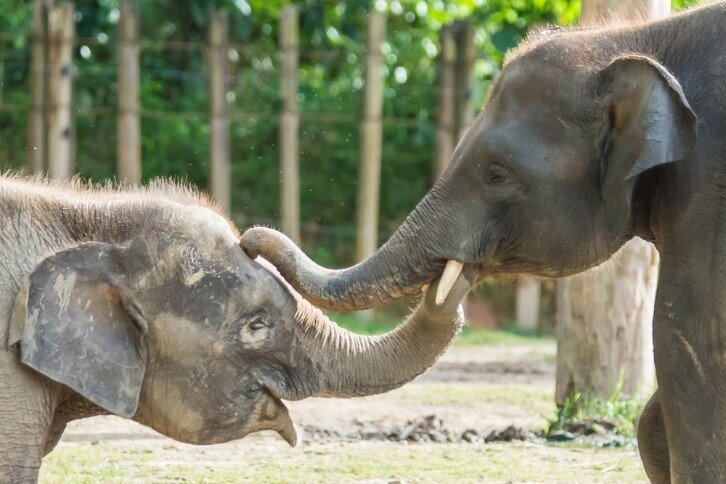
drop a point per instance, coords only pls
(485, 387)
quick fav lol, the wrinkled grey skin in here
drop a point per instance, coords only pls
(142, 304)
(589, 138)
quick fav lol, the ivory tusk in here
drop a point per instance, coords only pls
(424, 288)
(448, 278)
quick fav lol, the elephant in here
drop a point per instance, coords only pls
(142, 304)
(588, 137)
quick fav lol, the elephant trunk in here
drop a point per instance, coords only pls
(352, 365)
(414, 255)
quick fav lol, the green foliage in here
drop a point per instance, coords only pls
(619, 410)
(469, 336)
(175, 130)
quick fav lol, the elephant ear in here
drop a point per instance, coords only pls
(647, 122)
(78, 329)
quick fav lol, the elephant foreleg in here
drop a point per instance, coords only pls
(26, 404)
(653, 442)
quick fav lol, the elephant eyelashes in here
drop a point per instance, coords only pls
(257, 323)
(255, 330)
(496, 174)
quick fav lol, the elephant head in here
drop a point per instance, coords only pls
(179, 329)
(555, 174)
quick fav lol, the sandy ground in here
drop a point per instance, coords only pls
(482, 388)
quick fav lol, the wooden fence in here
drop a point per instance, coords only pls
(51, 130)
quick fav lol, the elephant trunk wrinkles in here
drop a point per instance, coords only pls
(352, 365)
(402, 266)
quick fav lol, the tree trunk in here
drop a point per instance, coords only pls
(604, 320)
(605, 316)
(528, 294)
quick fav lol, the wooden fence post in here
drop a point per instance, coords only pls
(219, 136)
(38, 87)
(369, 172)
(60, 128)
(289, 122)
(464, 77)
(445, 134)
(527, 305)
(129, 123)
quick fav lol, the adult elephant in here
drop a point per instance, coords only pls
(142, 304)
(589, 137)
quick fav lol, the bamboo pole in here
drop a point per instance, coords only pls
(38, 87)
(219, 137)
(527, 305)
(445, 134)
(289, 122)
(60, 128)
(464, 77)
(129, 122)
(369, 173)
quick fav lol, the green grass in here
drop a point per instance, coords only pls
(346, 463)
(469, 336)
(618, 410)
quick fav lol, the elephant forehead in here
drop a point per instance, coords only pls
(206, 223)
(542, 85)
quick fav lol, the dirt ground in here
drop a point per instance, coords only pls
(471, 390)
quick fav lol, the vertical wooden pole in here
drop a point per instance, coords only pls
(60, 128)
(129, 123)
(464, 77)
(598, 10)
(219, 137)
(289, 122)
(38, 87)
(445, 134)
(369, 172)
(527, 305)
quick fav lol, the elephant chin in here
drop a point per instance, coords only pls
(272, 414)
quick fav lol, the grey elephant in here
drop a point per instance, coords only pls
(142, 304)
(589, 137)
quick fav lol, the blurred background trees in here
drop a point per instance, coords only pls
(175, 131)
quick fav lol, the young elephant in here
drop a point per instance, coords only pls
(142, 304)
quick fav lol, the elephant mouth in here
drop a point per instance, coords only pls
(273, 414)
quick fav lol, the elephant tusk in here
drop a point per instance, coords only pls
(448, 278)
(424, 288)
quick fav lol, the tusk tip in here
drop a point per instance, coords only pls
(448, 278)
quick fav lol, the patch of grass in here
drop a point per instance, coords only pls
(618, 411)
(362, 325)
(469, 336)
(351, 462)
(509, 335)
(93, 463)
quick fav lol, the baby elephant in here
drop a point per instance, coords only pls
(141, 303)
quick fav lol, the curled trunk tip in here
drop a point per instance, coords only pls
(373, 282)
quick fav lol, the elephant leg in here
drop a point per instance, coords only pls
(688, 338)
(653, 442)
(27, 402)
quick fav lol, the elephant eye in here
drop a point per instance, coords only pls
(496, 174)
(257, 323)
